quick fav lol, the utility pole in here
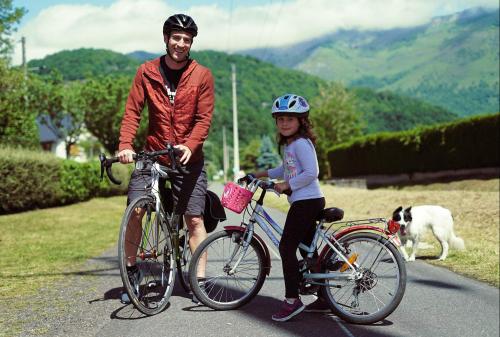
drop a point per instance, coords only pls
(224, 153)
(25, 65)
(236, 147)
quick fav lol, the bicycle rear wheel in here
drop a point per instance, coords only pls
(380, 287)
(222, 288)
(153, 255)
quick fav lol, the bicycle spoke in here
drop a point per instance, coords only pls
(227, 284)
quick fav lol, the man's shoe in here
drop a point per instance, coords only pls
(288, 310)
(319, 305)
(135, 276)
(201, 283)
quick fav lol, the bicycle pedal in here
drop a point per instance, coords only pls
(309, 289)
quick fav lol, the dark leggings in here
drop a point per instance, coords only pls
(300, 226)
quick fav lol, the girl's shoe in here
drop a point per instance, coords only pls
(287, 310)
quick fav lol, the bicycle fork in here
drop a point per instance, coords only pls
(245, 242)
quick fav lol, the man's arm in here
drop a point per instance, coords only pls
(131, 118)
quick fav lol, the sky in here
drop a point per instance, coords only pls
(226, 25)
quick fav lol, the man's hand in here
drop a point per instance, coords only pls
(125, 156)
(281, 187)
(186, 153)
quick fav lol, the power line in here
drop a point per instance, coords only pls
(230, 28)
(264, 25)
(271, 32)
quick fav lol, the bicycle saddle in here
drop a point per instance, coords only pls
(331, 214)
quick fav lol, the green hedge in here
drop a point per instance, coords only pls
(464, 144)
(30, 180)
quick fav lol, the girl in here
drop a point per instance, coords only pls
(300, 174)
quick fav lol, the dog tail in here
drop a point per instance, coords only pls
(456, 242)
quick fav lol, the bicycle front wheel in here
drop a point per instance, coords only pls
(380, 284)
(233, 274)
(146, 242)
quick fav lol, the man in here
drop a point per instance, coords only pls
(179, 94)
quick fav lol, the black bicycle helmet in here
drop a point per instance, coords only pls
(180, 22)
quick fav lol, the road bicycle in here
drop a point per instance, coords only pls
(163, 248)
(359, 270)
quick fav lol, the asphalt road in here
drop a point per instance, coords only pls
(437, 302)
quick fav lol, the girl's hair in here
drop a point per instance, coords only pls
(305, 131)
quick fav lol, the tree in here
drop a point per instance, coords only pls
(73, 112)
(249, 155)
(335, 121)
(17, 121)
(59, 106)
(104, 99)
(9, 16)
(268, 158)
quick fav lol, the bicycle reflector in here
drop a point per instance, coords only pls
(392, 226)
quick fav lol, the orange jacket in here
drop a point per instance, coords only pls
(185, 122)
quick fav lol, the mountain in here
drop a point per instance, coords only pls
(87, 62)
(258, 84)
(452, 61)
(142, 56)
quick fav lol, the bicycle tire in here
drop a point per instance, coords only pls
(154, 258)
(183, 262)
(377, 289)
(215, 292)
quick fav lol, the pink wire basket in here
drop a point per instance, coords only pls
(235, 198)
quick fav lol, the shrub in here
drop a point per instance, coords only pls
(464, 144)
(32, 180)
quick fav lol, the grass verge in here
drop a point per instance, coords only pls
(43, 246)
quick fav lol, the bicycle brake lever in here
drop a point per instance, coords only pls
(102, 159)
(106, 163)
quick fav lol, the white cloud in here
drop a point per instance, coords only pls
(129, 25)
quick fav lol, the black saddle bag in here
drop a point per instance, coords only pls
(214, 212)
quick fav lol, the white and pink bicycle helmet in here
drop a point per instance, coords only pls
(290, 104)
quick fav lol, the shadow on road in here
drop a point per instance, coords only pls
(438, 284)
(129, 312)
(262, 307)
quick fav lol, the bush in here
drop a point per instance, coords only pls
(464, 144)
(37, 180)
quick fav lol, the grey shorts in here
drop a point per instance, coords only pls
(188, 190)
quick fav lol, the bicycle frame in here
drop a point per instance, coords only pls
(268, 225)
(156, 174)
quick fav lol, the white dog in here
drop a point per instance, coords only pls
(415, 220)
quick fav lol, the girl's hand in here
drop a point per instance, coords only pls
(281, 187)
